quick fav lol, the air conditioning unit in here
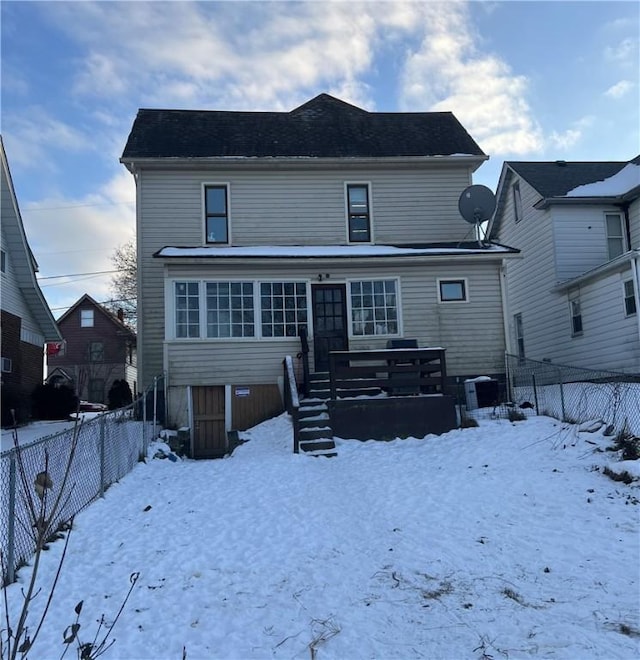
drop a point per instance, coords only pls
(6, 365)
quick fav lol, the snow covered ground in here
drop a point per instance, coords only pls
(502, 541)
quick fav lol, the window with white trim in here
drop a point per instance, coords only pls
(216, 213)
(374, 307)
(452, 290)
(615, 234)
(358, 212)
(576, 313)
(283, 308)
(230, 309)
(187, 308)
(629, 298)
(517, 201)
(86, 318)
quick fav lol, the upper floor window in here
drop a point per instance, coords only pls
(86, 318)
(517, 201)
(3, 261)
(96, 351)
(374, 307)
(615, 234)
(358, 212)
(629, 298)
(216, 214)
(452, 290)
(576, 314)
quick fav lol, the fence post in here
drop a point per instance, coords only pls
(535, 393)
(102, 423)
(564, 415)
(12, 512)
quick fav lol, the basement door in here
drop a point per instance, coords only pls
(209, 433)
(329, 322)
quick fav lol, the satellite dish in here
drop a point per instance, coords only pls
(476, 205)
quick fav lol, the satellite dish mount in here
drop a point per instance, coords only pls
(476, 205)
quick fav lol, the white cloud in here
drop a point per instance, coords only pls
(448, 72)
(620, 89)
(626, 51)
(73, 236)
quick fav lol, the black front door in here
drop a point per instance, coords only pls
(329, 322)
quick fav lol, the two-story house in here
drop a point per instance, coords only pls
(27, 323)
(254, 225)
(97, 350)
(573, 297)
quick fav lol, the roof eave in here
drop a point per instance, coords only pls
(599, 270)
(546, 202)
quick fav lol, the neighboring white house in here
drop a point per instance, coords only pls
(573, 297)
(27, 322)
(252, 226)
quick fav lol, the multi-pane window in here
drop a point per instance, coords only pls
(187, 305)
(96, 351)
(452, 290)
(576, 315)
(615, 234)
(629, 298)
(216, 214)
(519, 332)
(283, 308)
(374, 307)
(358, 213)
(230, 309)
(517, 201)
(86, 318)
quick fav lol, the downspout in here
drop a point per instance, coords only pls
(636, 291)
(505, 307)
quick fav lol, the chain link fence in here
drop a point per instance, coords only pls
(80, 462)
(576, 395)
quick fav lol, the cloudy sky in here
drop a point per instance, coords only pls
(529, 81)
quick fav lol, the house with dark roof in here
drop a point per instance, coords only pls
(573, 296)
(328, 221)
(27, 322)
(97, 350)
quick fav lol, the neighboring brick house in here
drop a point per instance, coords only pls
(27, 323)
(98, 349)
(255, 226)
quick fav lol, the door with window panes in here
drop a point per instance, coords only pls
(329, 322)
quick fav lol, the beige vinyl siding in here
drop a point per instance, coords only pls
(471, 332)
(634, 224)
(284, 206)
(580, 238)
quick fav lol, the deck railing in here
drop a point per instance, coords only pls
(398, 371)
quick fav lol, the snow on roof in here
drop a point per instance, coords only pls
(618, 184)
(320, 251)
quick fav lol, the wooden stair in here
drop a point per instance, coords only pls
(316, 434)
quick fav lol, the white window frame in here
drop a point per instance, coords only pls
(369, 187)
(350, 311)
(87, 319)
(626, 296)
(617, 237)
(452, 280)
(575, 312)
(517, 200)
(170, 307)
(215, 184)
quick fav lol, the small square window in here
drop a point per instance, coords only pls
(452, 290)
(86, 318)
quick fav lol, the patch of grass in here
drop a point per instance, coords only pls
(508, 592)
(443, 589)
(628, 444)
(623, 476)
(628, 630)
(468, 422)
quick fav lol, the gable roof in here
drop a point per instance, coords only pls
(87, 299)
(324, 127)
(24, 265)
(567, 182)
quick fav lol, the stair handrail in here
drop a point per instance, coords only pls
(304, 356)
(292, 402)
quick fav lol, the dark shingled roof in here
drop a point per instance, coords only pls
(557, 178)
(324, 127)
